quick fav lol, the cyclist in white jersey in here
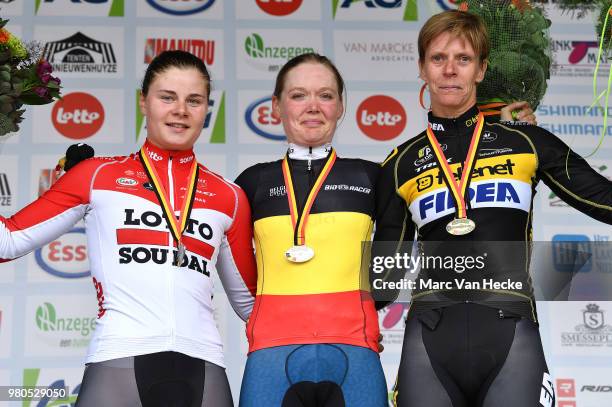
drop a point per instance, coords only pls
(159, 226)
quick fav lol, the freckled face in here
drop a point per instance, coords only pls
(309, 106)
(451, 70)
(175, 108)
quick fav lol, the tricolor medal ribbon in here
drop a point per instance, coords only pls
(177, 227)
(461, 225)
(300, 252)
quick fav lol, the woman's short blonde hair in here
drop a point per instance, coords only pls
(458, 23)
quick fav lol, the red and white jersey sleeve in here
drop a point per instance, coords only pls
(51, 215)
(147, 304)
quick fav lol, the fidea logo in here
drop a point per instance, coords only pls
(47, 321)
(255, 48)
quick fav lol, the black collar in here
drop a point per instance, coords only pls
(458, 126)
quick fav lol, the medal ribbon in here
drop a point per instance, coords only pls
(176, 226)
(458, 189)
(299, 220)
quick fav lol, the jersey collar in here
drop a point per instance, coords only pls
(297, 152)
(457, 126)
(160, 157)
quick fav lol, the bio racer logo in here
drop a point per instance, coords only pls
(77, 115)
(381, 117)
(279, 7)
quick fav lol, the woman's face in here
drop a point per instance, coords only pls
(175, 107)
(309, 105)
(451, 70)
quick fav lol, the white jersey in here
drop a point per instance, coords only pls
(147, 304)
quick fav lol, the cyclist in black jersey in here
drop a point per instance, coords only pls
(467, 182)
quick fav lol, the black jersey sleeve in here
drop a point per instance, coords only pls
(248, 180)
(394, 227)
(570, 177)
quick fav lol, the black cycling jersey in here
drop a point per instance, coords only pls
(511, 159)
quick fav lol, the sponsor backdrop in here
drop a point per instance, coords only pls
(100, 50)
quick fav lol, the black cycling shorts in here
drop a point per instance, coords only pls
(470, 355)
(166, 379)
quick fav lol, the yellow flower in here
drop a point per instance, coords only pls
(16, 47)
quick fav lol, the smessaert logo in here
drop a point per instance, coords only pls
(381, 117)
(279, 7)
(78, 115)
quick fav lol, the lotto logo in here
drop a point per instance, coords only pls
(78, 115)
(279, 7)
(154, 156)
(381, 117)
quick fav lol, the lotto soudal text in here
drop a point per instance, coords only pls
(147, 245)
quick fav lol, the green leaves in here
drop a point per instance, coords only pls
(519, 62)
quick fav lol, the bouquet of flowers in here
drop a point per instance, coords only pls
(519, 62)
(25, 79)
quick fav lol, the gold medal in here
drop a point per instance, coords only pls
(299, 254)
(460, 226)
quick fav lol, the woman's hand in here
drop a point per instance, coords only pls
(518, 111)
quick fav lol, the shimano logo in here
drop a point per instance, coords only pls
(486, 152)
(500, 192)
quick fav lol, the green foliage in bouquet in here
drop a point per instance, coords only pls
(519, 62)
(580, 8)
(25, 79)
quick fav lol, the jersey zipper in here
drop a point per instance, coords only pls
(172, 316)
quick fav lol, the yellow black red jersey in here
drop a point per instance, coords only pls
(322, 300)
(412, 193)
